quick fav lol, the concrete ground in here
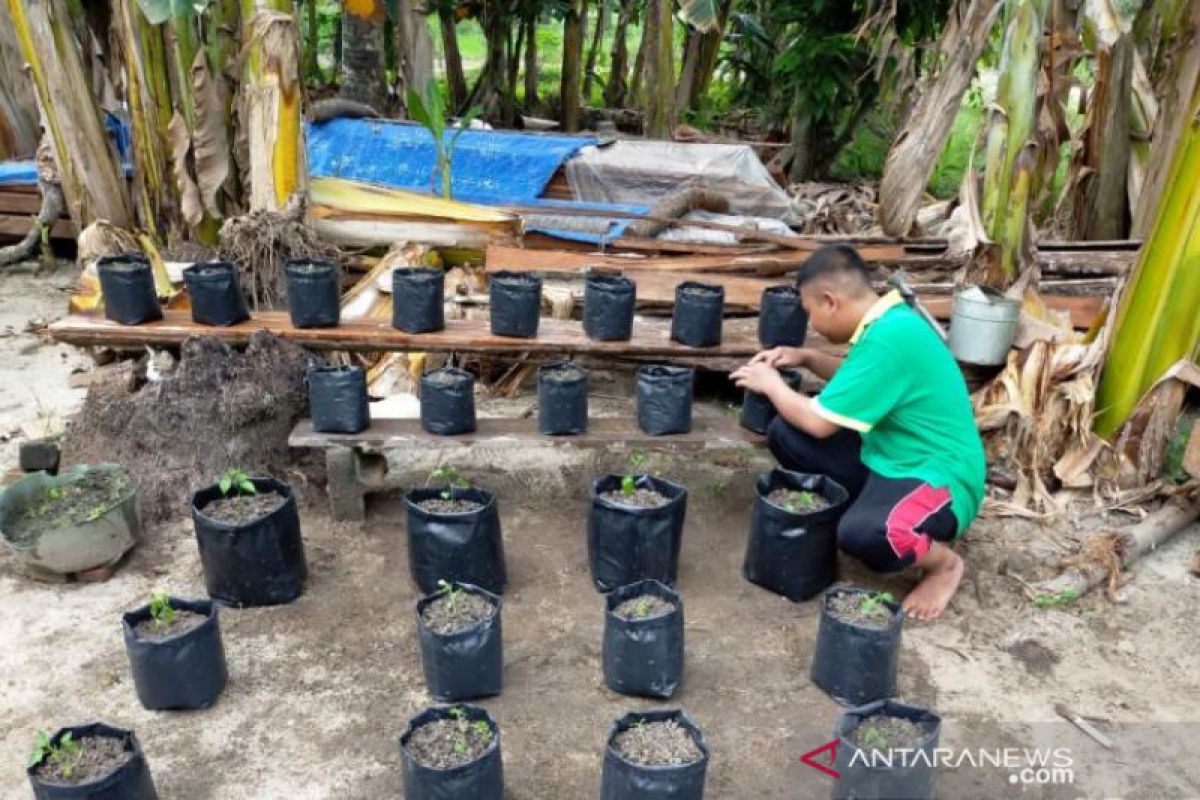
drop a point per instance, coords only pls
(320, 689)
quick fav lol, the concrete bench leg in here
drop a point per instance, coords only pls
(352, 475)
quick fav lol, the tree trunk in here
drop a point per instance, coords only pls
(273, 96)
(337, 51)
(638, 77)
(92, 183)
(312, 43)
(569, 88)
(531, 64)
(917, 147)
(18, 105)
(710, 50)
(416, 48)
(589, 69)
(490, 93)
(363, 78)
(618, 61)
(803, 149)
(1103, 213)
(454, 67)
(658, 35)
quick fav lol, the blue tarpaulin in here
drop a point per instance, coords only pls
(490, 167)
(19, 173)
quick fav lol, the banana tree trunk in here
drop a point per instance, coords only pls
(454, 66)
(272, 95)
(916, 149)
(659, 43)
(1103, 213)
(618, 59)
(1156, 323)
(699, 60)
(363, 78)
(18, 106)
(569, 88)
(92, 181)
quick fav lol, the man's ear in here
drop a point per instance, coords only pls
(830, 300)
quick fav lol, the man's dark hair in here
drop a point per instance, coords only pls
(834, 260)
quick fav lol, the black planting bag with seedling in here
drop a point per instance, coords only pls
(215, 293)
(622, 779)
(781, 318)
(757, 411)
(908, 778)
(314, 292)
(856, 662)
(793, 551)
(608, 303)
(259, 562)
(461, 546)
(418, 299)
(448, 401)
(562, 390)
(465, 664)
(181, 672)
(664, 399)
(127, 285)
(699, 313)
(516, 303)
(481, 779)
(643, 656)
(628, 543)
(130, 781)
(337, 399)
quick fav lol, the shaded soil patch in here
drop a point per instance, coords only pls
(641, 498)
(456, 611)
(644, 607)
(97, 756)
(239, 509)
(183, 622)
(792, 500)
(657, 743)
(438, 505)
(887, 733)
(449, 743)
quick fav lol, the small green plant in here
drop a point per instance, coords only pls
(161, 611)
(453, 594)
(642, 608)
(430, 111)
(65, 754)
(1053, 599)
(236, 478)
(798, 501)
(873, 604)
(873, 738)
(453, 480)
(463, 729)
(56, 493)
(637, 460)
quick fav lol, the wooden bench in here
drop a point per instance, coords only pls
(356, 465)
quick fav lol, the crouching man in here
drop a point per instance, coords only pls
(893, 425)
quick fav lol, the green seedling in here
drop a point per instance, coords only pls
(637, 460)
(873, 738)
(873, 604)
(642, 608)
(463, 729)
(1053, 599)
(453, 594)
(453, 480)
(798, 501)
(65, 754)
(56, 493)
(236, 478)
(161, 611)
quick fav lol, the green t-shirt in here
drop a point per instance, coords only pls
(901, 389)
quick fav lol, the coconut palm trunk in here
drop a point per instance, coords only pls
(659, 44)
(569, 89)
(454, 67)
(415, 46)
(363, 78)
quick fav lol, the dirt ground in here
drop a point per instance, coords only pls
(320, 689)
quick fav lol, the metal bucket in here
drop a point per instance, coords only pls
(982, 326)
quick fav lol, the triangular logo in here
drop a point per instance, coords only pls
(810, 756)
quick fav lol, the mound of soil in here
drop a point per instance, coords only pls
(456, 611)
(441, 378)
(448, 743)
(641, 498)
(645, 606)
(219, 408)
(849, 607)
(657, 744)
(238, 509)
(885, 733)
(68, 505)
(561, 374)
(794, 501)
(437, 505)
(183, 622)
(97, 756)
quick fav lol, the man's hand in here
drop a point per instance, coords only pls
(780, 357)
(758, 377)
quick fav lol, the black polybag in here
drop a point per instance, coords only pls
(215, 293)
(699, 312)
(337, 399)
(314, 291)
(664, 399)
(608, 303)
(794, 554)
(465, 547)
(625, 780)
(562, 404)
(908, 778)
(418, 299)
(628, 544)
(516, 303)
(466, 664)
(781, 318)
(481, 779)
(184, 672)
(643, 657)
(130, 781)
(856, 664)
(448, 409)
(757, 411)
(127, 285)
(258, 563)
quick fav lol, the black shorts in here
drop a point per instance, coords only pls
(891, 522)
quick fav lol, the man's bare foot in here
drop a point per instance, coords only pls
(943, 572)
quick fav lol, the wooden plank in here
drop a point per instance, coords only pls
(20, 203)
(388, 433)
(500, 257)
(17, 227)
(650, 337)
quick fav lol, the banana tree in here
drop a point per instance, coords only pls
(18, 107)
(430, 111)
